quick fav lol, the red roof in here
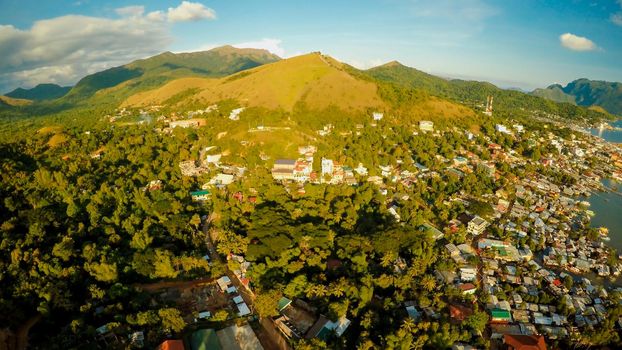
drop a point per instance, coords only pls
(459, 312)
(174, 344)
(467, 286)
(524, 342)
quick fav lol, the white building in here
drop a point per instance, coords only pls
(235, 114)
(502, 128)
(222, 179)
(426, 125)
(477, 226)
(468, 274)
(361, 170)
(213, 158)
(328, 166)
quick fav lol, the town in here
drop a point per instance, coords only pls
(524, 253)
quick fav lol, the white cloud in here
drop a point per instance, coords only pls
(272, 45)
(130, 11)
(190, 11)
(64, 49)
(362, 64)
(577, 43)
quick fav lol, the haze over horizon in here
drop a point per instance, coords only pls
(524, 44)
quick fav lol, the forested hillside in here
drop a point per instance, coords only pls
(40, 92)
(585, 92)
(473, 92)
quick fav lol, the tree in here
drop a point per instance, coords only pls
(102, 271)
(266, 303)
(428, 282)
(171, 319)
(477, 321)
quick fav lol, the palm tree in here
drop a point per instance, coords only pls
(409, 325)
(387, 259)
(428, 283)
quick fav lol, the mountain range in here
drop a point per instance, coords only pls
(585, 92)
(40, 92)
(257, 78)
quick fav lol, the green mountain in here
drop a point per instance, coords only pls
(585, 92)
(119, 82)
(472, 93)
(310, 82)
(554, 92)
(597, 93)
(40, 92)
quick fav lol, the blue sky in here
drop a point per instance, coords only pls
(513, 43)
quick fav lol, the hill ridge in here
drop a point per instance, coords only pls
(43, 91)
(587, 93)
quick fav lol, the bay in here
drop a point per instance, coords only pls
(607, 207)
(614, 136)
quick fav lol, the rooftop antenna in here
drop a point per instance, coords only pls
(488, 106)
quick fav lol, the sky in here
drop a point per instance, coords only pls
(512, 43)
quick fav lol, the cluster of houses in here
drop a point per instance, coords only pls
(536, 212)
(299, 320)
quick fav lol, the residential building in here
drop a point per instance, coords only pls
(283, 169)
(323, 327)
(468, 273)
(502, 128)
(222, 179)
(171, 344)
(524, 342)
(187, 123)
(500, 315)
(235, 114)
(467, 288)
(426, 125)
(202, 195)
(327, 167)
(477, 226)
(361, 170)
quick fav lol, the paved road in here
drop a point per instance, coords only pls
(269, 328)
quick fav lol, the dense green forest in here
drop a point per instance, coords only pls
(78, 232)
(475, 92)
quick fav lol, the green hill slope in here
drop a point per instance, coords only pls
(585, 92)
(123, 81)
(597, 93)
(314, 81)
(471, 92)
(40, 92)
(555, 93)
